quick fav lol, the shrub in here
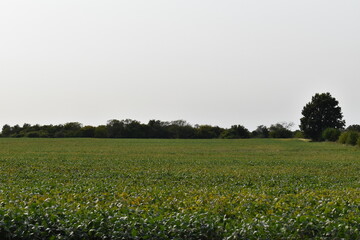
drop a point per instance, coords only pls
(352, 138)
(32, 135)
(358, 142)
(331, 134)
(349, 137)
(298, 134)
(59, 134)
(37, 134)
(343, 136)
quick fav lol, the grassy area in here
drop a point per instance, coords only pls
(178, 189)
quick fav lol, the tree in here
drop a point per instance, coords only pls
(260, 132)
(15, 131)
(87, 131)
(180, 129)
(157, 129)
(321, 113)
(236, 131)
(72, 129)
(281, 130)
(207, 131)
(6, 131)
(101, 132)
(115, 128)
(354, 127)
(133, 129)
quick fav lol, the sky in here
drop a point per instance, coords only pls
(255, 62)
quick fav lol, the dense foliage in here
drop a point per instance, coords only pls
(354, 127)
(260, 132)
(128, 128)
(116, 129)
(280, 130)
(349, 137)
(331, 134)
(322, 120)
(178, 189)
(321, 113)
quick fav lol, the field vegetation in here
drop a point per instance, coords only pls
(178, 189)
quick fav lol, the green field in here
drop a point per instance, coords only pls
(178, 189)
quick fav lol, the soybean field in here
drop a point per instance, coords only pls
(178, 189)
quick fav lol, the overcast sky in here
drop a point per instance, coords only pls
(208, 62)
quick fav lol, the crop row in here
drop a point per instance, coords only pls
(178, 189)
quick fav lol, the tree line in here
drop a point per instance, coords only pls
(322, 121)
(129, 128)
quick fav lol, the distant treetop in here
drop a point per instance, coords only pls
(320, 113)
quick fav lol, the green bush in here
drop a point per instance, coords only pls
(32, 135)
(349, 137)
(37, 134)
(298, 134)
(331, 134)
(343, 136)
(358, 142)
(352, 138)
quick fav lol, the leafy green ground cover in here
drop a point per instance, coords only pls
(178, 189)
